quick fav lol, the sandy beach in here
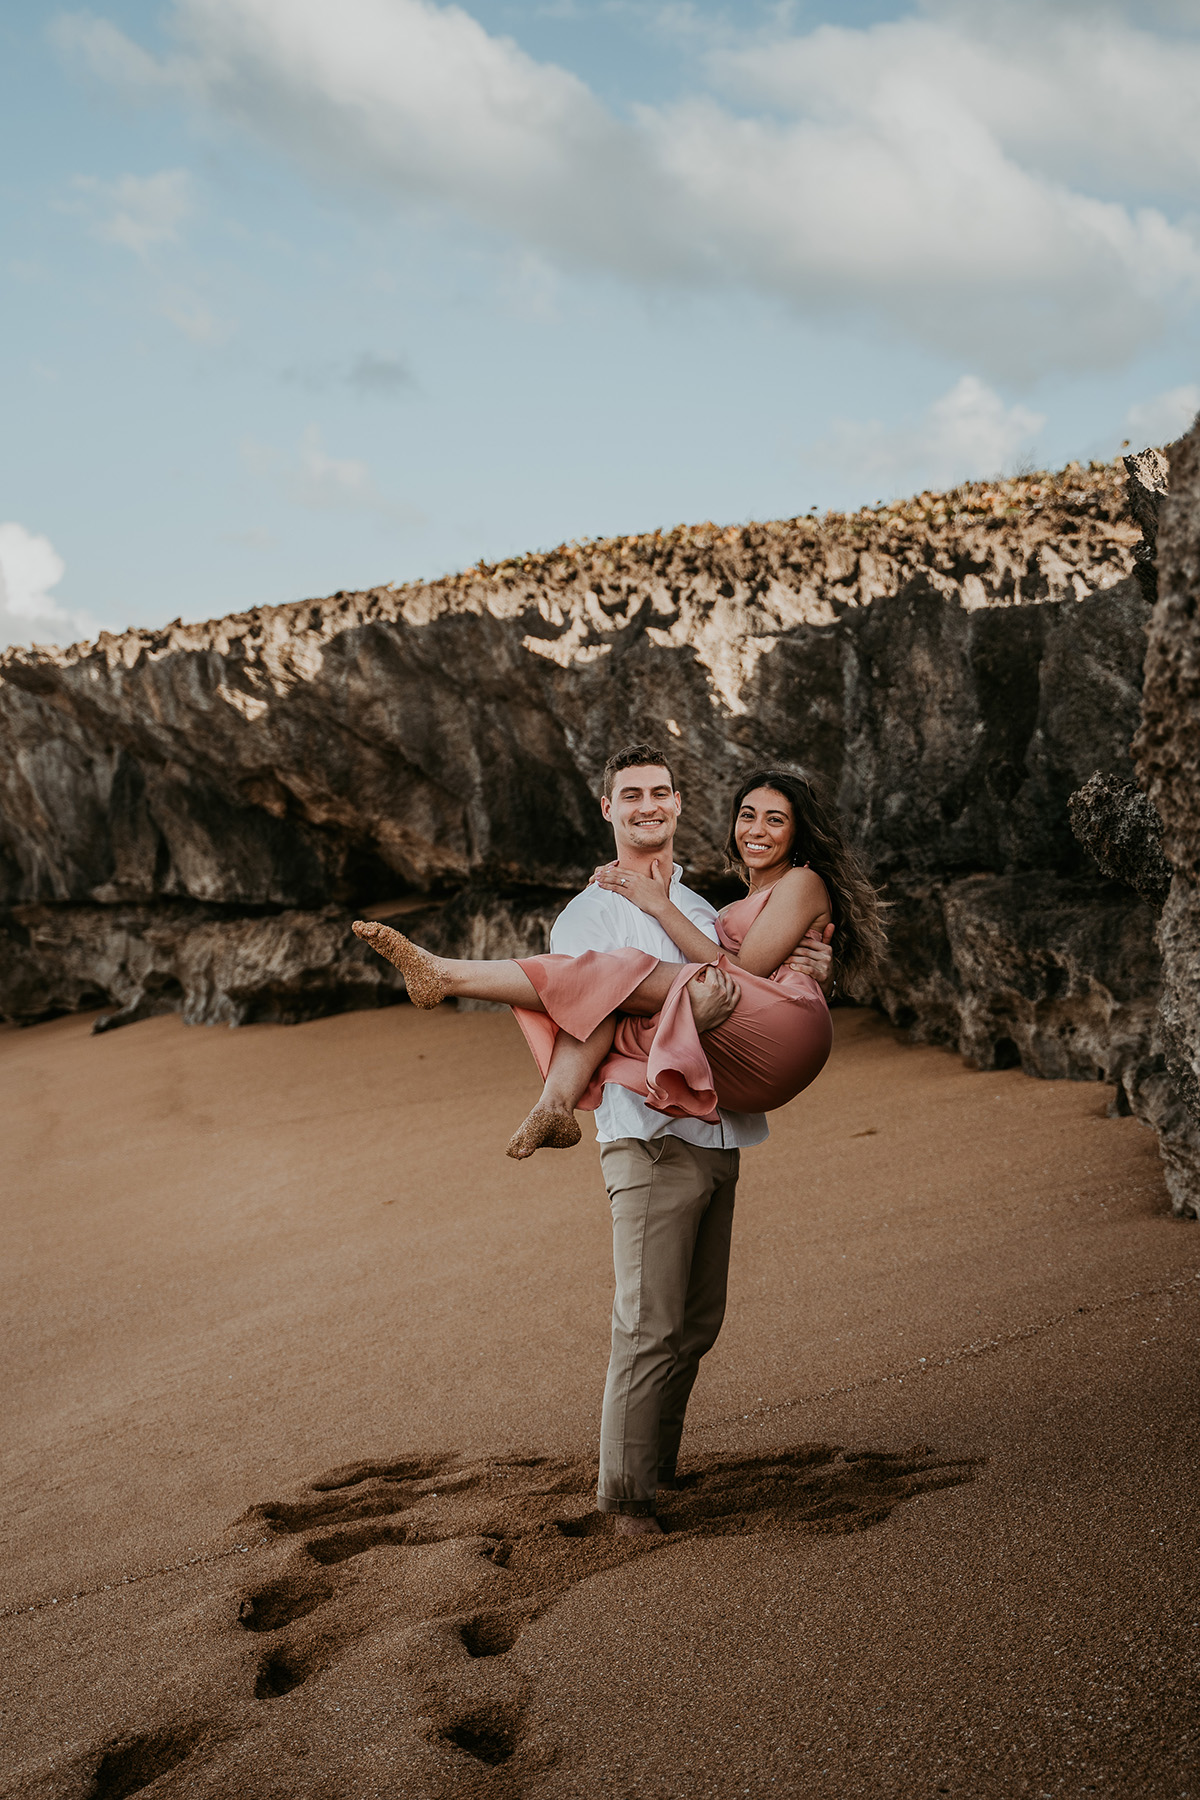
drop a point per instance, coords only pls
(302, 1381)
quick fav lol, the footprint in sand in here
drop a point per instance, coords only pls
(365, 1650)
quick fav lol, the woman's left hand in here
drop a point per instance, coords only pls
(652, 893)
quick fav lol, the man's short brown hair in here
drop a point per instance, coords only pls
(635, 756)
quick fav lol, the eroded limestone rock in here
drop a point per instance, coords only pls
(1147, 478)
(216, 967)
(417, 739)
(191, 817)
(1118, 825)
(1167, 751)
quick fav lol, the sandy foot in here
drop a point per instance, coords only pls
(631, 1525)
(546, 1128)
(423, 978)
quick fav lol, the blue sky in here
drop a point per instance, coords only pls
(301, 297)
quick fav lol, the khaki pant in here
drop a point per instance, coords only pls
(672, 1208)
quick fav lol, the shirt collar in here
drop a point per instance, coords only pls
(676, 880)
(676, 873)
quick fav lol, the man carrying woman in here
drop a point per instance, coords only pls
(678, 1058)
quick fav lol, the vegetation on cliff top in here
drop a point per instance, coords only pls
(1095, 492)
(1043, 535)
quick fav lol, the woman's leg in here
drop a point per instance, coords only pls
(573, 1062)
(431, 979)
(551, 1124)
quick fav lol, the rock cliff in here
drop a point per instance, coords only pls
(189, 817)
(1167, 754)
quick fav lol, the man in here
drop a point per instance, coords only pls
(670, 1182)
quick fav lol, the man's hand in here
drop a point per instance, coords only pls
(813, 956)
(713, 995)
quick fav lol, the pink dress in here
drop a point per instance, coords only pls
(775, 1042)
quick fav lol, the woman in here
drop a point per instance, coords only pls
(623, 1016)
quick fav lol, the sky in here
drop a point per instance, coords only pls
(301, 297)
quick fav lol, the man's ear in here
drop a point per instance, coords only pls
(606, 806)
(678, 803)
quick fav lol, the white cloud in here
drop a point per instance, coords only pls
(1073, 92)
(967, 434)
(314, 478)
(29, 613)
(190, 315)
(324, 480)
(939, 172)
(1163, 419)
(143, 214)
(529, 284)
(138, 211)
(111, 55)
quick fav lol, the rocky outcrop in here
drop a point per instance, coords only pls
(1167, 753)
(1118, 826)
(190, 817)
(1058, 976)
(1147, 474)
(216, 967)
(419, 738)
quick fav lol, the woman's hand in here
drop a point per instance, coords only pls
(652, 892)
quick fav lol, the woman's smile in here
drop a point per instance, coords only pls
(765, 830)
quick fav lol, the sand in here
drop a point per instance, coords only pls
(301, 1387)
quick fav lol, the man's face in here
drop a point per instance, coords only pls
(643, 810)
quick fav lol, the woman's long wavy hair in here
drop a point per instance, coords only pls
(859, 941)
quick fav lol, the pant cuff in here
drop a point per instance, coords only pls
(635, 1509)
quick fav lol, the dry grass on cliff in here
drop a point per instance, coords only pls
(1070, 496)
(1049, 535)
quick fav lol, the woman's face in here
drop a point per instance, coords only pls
(764, 831)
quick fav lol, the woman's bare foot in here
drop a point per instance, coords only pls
(423, 977)
(637, 1525)
(546, 1128)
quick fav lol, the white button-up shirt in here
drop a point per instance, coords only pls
(598, 919)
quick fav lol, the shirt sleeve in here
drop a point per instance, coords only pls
(585, 923)
(701, 914)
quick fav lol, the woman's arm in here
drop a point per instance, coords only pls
(797, 901)
(652, 894)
